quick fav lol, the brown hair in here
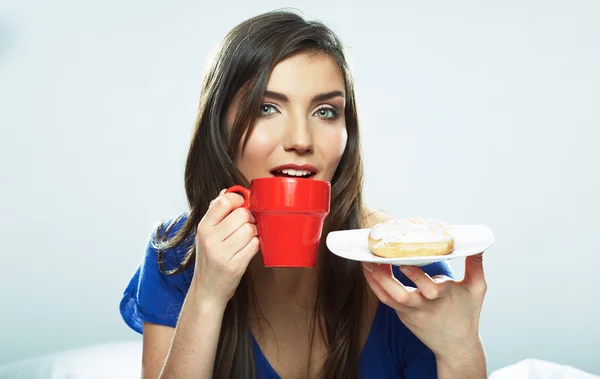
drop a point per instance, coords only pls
(239, 71)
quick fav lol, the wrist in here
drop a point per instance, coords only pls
(202, 301)
(467, 361)
(459, 350)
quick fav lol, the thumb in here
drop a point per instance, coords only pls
(474, 276)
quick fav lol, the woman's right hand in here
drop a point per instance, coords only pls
(226, 241)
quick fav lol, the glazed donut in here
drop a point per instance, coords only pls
(411, 237)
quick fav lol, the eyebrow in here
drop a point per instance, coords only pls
(315, 99)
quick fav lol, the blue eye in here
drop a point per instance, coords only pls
(327, 113)
(267, 109)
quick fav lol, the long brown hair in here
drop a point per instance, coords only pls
(239, 73)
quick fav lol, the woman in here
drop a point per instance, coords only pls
(279, 92)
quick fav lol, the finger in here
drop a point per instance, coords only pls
(387, 268)
(222, 207)
(474, 276)
(244, 256)
(395, 289)
(430, 289)
(237, 241)
(231, 223)
(383, 296)
(215, 199)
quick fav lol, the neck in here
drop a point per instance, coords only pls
(288, 287)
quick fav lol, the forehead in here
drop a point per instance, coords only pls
(306, 74)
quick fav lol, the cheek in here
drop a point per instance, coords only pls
(260, 145)
(333, 146)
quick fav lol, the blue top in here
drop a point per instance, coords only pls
(391, 350)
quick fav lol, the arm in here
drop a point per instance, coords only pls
(157, 340)
(442, 314)
(422, 363)
(467, 364)
(181, 321)
(188, 350)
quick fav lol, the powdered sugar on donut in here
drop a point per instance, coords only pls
(411, 230)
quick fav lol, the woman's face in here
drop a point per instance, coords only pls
(301, 128)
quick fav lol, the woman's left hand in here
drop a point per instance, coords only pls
(442, 313)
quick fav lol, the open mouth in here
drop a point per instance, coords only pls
(293, 173)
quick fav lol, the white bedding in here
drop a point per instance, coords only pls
(121, 360)
(538, 369)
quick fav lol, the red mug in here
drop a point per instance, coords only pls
(289, 214)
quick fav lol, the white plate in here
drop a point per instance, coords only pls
(353, 244)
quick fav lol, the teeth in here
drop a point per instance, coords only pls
(292, 172)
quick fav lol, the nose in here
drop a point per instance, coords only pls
(299, 136)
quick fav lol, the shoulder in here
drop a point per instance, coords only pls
(163, 240)
(369, 218)
(152, 295)
(168, 228)
(372, 216)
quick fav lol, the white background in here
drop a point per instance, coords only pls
(471, 112)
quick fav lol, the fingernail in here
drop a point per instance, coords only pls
(406, 269)
(222, 192)
(368, 266)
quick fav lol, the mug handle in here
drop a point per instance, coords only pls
(245, 192)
